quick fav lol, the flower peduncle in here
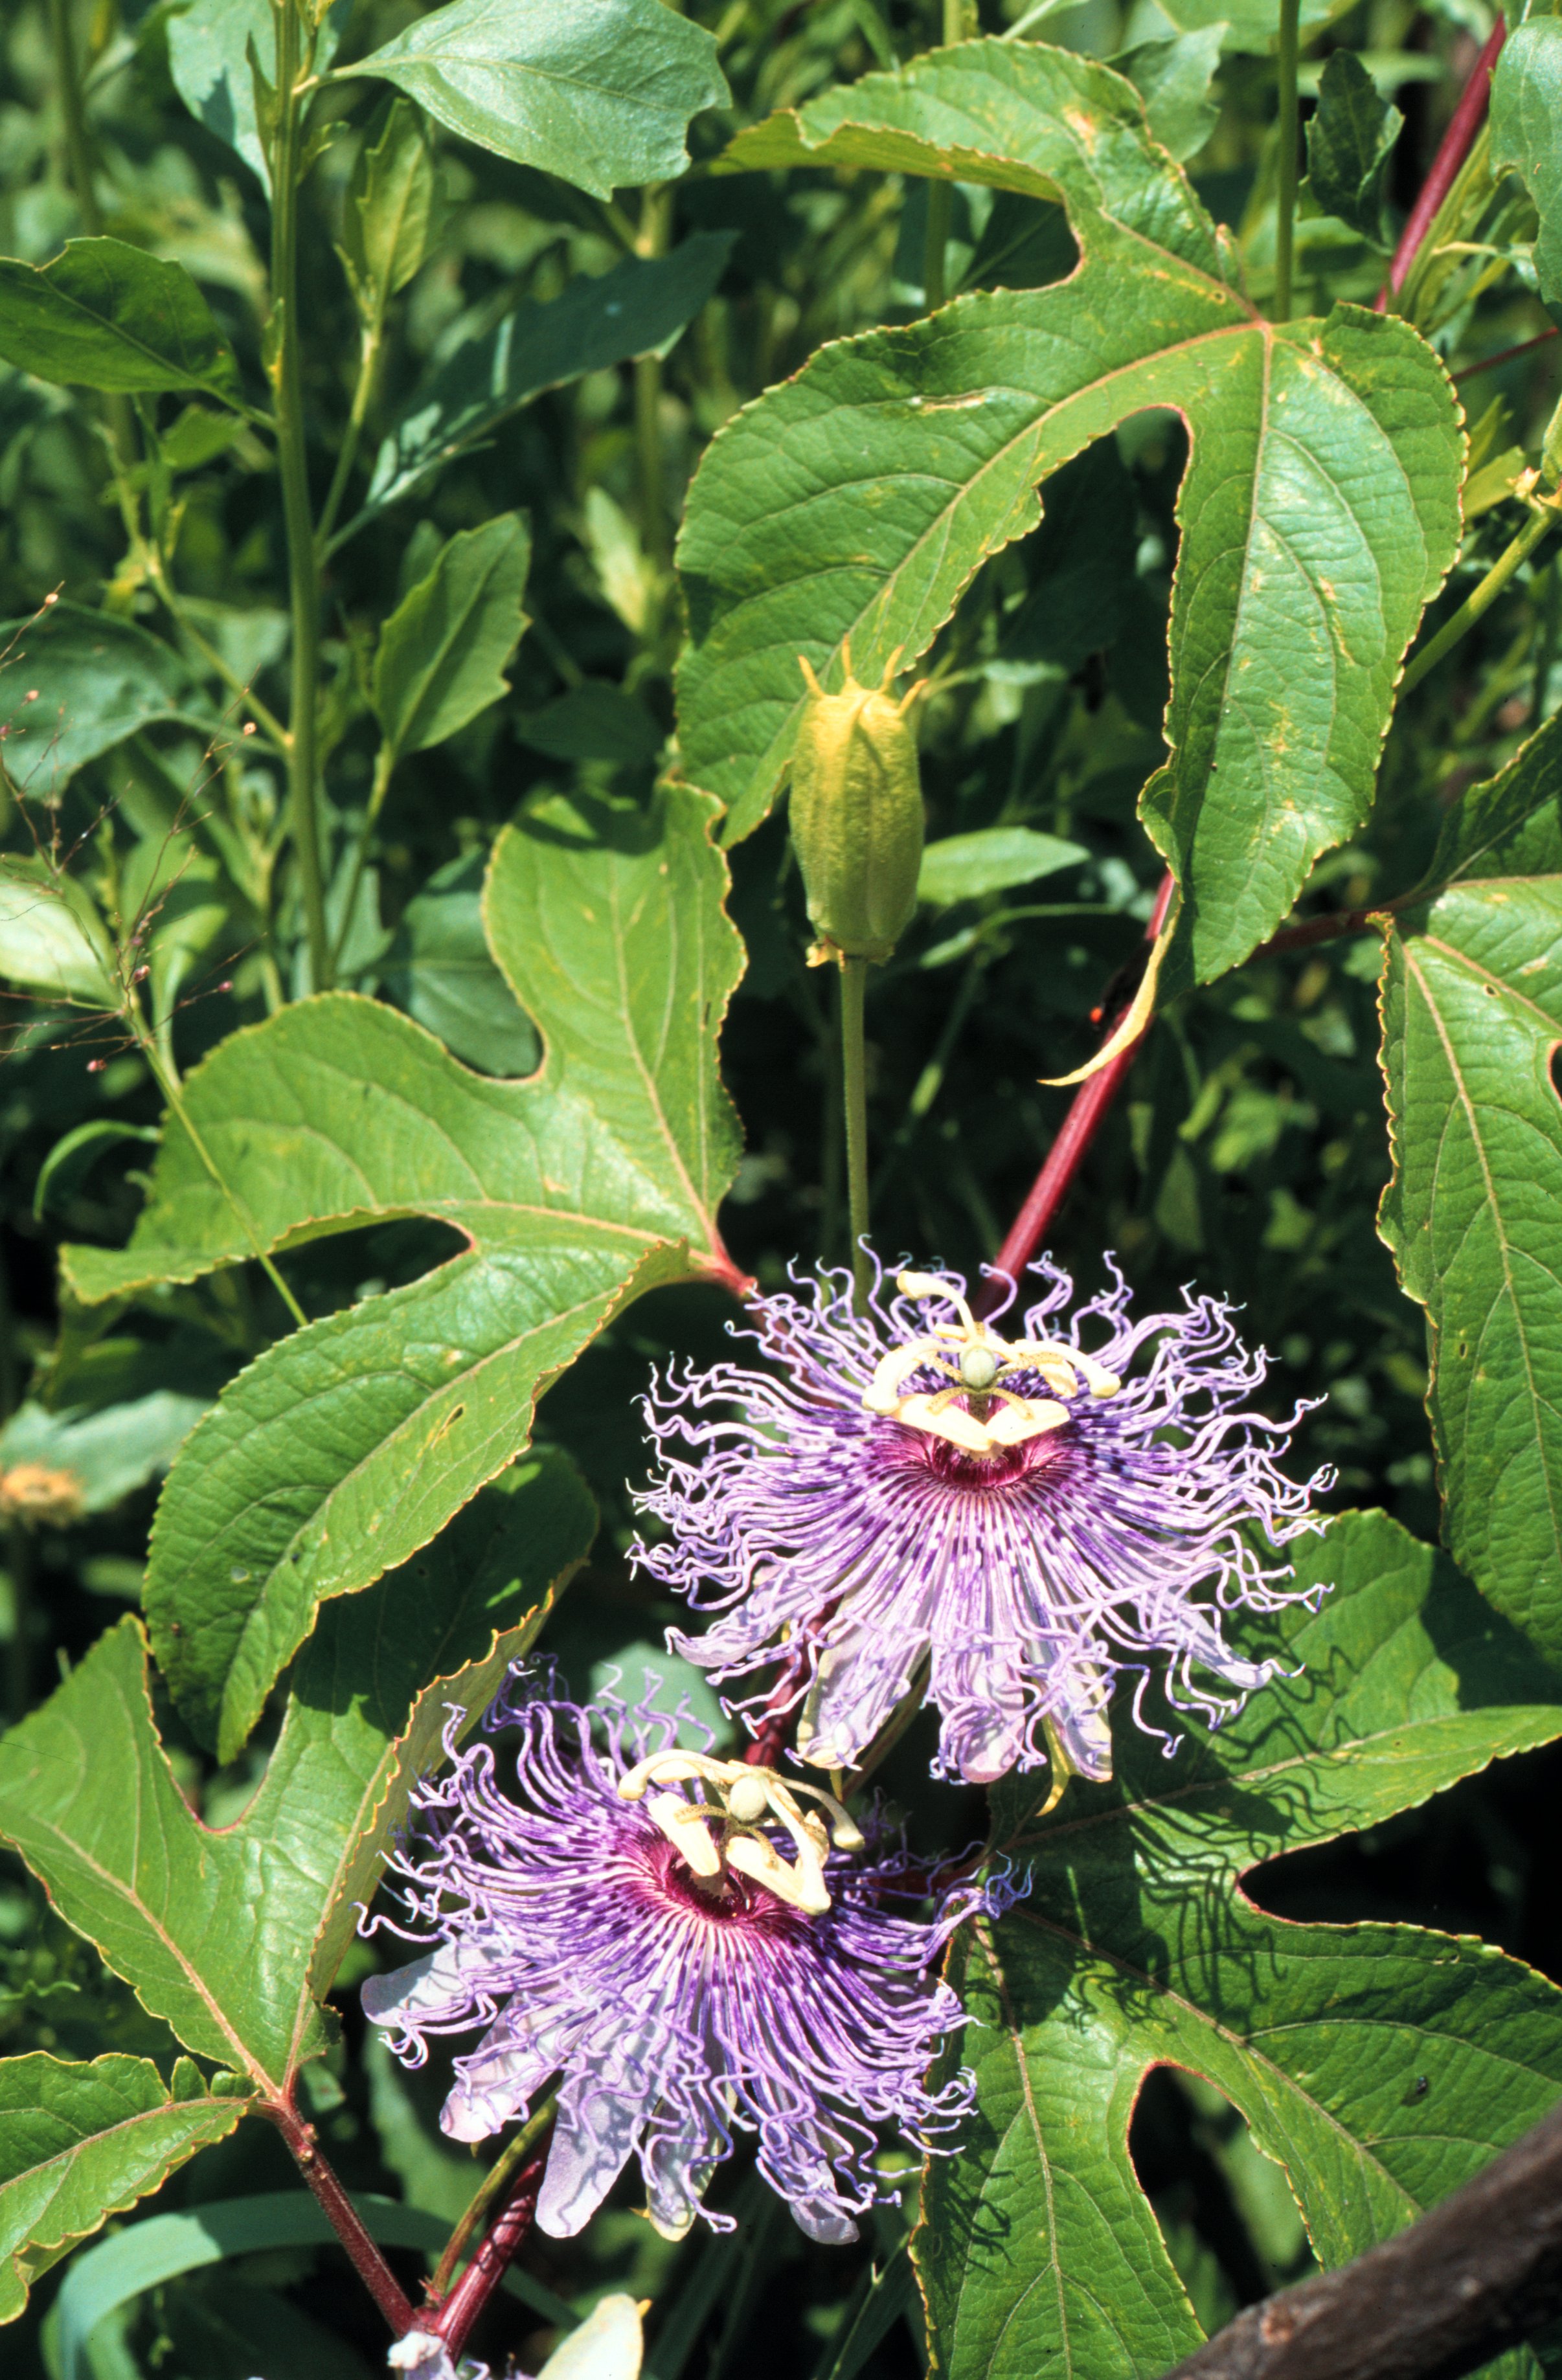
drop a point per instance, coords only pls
(746, 1800)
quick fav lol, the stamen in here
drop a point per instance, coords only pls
(746, 1800)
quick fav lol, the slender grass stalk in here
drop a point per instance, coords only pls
(170, 1085)
(941, 194)
(1285, 178)
(655, 528)
(385, 762)
(854, 1096)
(293, 68)
(1543, 517)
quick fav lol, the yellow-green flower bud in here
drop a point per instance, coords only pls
(857, 816)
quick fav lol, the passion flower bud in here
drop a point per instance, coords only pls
(857, 816)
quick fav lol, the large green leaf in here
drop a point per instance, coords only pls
(1527, 134)
(1473, 1015)
(80, 2142)
(443, 647)
(106, 315)
(1379, 2065)
(51, 941)
(233, 1937)
(344, 1449)
(598, 91)
(83, 681)
(599, 320)
(855, 502)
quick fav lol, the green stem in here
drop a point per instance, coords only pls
(168, 1084)
(496, 2179)
(264, 717)
(385, 761)
(854, 1096)
(368, 365)
(1286, 179)
(1542, 517)
(286, 376)
(79, 151)
(655, 217)
(941, 194)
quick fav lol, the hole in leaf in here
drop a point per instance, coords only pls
(1225, 2210)
(1552, 1064)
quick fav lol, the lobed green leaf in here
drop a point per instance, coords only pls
(82, 2142)
(234, 1936)
(347, 1447)
(1379, 2065)
(1473, 1015)
(1319, 512)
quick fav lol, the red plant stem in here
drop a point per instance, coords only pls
(1455, 147)
(1066, 1154)
(342, 2215)
(453, 2320)
(1507, 356)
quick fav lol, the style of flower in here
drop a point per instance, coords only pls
(1015, 1522)
(686, 1950)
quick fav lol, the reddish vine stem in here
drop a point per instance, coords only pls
(1455, 147)
(342, 2215)
(453, 2320)
(1067, 1153)
(1507, 356)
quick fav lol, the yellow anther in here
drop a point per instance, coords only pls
(725, 1831)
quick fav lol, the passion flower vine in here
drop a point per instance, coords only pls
(1018, 1522)
(684, 1950)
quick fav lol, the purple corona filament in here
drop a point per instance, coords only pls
(1020, 1521)
(672, 2011)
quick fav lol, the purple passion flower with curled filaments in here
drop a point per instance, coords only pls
(686, 1950)
(1018, 1522)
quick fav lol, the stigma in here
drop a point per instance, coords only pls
(732, 1829)
(975, 1413)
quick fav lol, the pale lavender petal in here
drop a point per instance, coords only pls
(1031, 1578)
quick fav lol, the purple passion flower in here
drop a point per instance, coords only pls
(618, 1940)
(1016, 1520)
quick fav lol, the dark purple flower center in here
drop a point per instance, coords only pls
(668, 1883)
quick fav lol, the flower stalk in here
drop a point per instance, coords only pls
(295, 61)
(1286, 179)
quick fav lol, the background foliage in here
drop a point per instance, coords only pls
(390, 852)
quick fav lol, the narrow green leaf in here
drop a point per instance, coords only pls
(346, 1448)
(1319, 512)
(106, 315)
(81, 682)
(964, 867)
(233, 1937)
(442, 650)
(1379, 2065)
(1472, 1014)
(390, 209)
(637, 309)
(1527, 134)
(80, 2142)
(146, 2255)
(598, 91)
(72, 1158)
(439, 968)
(1350, 140)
